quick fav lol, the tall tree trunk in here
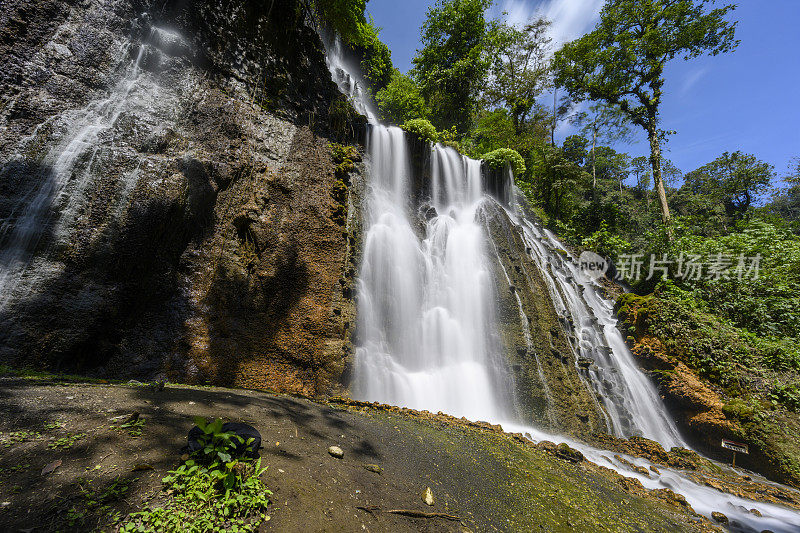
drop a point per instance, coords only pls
(655, 162)
(553, 129)
(594, 169)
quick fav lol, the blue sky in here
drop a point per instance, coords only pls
(746, 100)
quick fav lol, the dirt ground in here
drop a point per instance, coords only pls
(488, 480)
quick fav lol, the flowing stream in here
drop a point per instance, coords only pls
(425, 314)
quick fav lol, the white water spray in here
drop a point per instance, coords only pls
(424, 300)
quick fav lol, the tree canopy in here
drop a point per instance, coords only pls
(520, 68)
(621, 62)
(452, 64)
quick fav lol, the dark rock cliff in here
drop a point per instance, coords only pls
(163, 165)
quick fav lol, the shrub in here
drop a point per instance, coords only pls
(498, 159)
(422, 129)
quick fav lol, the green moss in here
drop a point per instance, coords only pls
(498, 159)
(344, 157)
(422, 129)
(736, 363)
(527, 489)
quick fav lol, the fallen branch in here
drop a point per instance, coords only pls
(410, 512)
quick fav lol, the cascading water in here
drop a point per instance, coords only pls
(424, 300)
(56, 192)
(349, 82)
(629, 398)
(425, 317)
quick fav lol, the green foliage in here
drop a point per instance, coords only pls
(376, 62)
(342, 117)
(553, 180)
(215, 444)
(401, 100)
(97, 502)
(621, 62)
(452, 65)
(67, 442)
(345, 17)
(767, 305)
(422, 129)
(502, 157)
(216, 492)
(606, 243)
(133, 427)
(520, 68)
(718, 350)
(8, 440)
(788, 395)
(735, 180)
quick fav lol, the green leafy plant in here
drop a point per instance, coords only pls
(133, 427)
(498, 159)
(215, 443)
(16, 437)
(97, 502)
(65, 443)
(213, 491)
(422, 129)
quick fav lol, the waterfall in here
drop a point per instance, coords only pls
(348, 80)
(629, 398)
(56, 192)
(424, 294)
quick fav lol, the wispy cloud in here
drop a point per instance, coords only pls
(570, 18)
(691, 79)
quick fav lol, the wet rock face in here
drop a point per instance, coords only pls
(549, 390)
(166, 194)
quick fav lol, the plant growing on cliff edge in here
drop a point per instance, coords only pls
(498, 159)
(622, 61)
(376, 62)
(422, 129)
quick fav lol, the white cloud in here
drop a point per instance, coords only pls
(570, 18)
(691, 79)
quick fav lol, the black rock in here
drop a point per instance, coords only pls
(245, 431)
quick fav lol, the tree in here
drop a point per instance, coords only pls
(345, 17)
(451, 67)
(605, 124)
(376, 58)
(640, 168)
(555, 179)
(621, 62)
(574, 148)
(610, 165)
(401, 101)
(794, 172)
(520, 70)
(735, 179)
